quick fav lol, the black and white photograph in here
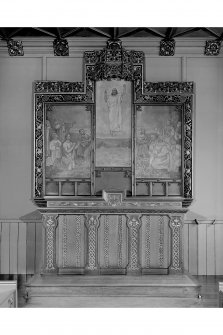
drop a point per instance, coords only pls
(111, 160)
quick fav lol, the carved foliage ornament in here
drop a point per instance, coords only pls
(61, 47)
(176, 258)
(212, 48)
(167, 47)
(15, 48)
(50, 223)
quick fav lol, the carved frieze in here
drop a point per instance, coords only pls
(167, 47)
(168, 87)
(15, 48)
(61, 47)
(50, 223)
(176, 244)
(212, 48)
(92, 224)
(134, 224)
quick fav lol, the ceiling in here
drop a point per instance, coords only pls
(113, 32)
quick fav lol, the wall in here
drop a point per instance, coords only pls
(188, 64)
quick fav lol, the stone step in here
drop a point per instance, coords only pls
(114, 302)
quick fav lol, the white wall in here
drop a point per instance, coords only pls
(39, 63)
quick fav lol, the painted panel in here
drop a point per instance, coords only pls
(5, 248)
(39, 247)
(202, 249)
(13, 248)
(158, 142)
(219, 248)
(193, 252)
(185, 246)
(22, 248)
(211, 259)
(68, 142)
(30, 247)
(113, 123)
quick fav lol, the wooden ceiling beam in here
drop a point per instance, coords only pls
(154, 32)
(44, 31)
(99, 31)
(130, 32)
(72, 31)
(213, 33)
(170, 32)
(115, 33)
(15, 32)
(186, 31)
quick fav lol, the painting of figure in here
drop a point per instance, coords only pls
(113, 123)
(158, 142)
(68, 142)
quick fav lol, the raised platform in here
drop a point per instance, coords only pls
(113, 291)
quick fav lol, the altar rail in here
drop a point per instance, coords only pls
(21, 247)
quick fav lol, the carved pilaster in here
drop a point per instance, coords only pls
(50, 224)
(176, 224)
(134, 224)
(92, 224)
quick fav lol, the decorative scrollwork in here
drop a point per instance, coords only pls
(15, 48)
(133, 223)
(168, 87)
(167, 47)
(106, 241)
(58, 87)
(212, 48)
(161, 241)
(112, 62)
(92, 224)
(188, 148)
(176, 234)
(61, 47)
(120, 240)
(50, 224)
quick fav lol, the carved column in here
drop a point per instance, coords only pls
(134, 223)
(50, 224)
(176, 265)
(92, 224)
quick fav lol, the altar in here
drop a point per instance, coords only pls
(112, 168)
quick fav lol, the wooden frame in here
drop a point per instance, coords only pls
(113, 63)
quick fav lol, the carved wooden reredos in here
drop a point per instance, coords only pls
(67, 136)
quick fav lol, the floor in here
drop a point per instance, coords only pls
(209, 299)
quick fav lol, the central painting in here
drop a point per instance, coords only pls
(113, 123)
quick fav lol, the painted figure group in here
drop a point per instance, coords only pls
(67, 154)
(161, 149)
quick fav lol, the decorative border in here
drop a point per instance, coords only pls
(185, 105)
(111, 62)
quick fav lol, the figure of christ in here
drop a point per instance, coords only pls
(113, 102)
(69, 147)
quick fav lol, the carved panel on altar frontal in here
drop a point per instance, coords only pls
(113, 132)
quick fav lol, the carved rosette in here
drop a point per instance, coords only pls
(134, 224)
(50, 224)
(61, 47)
(176, 244)
(212, 48)
(15, 48)
(92, 224)
(167, 47)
